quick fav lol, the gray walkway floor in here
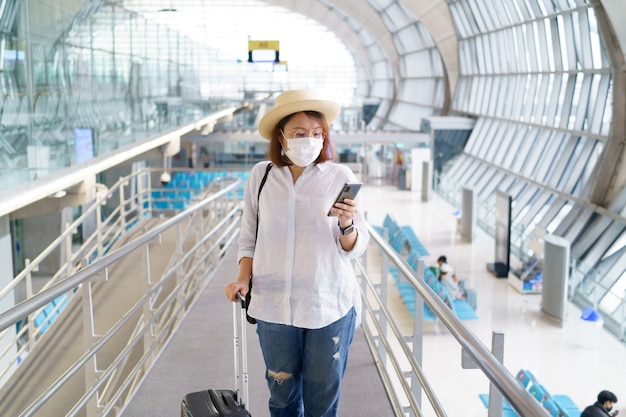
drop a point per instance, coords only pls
(200, 356)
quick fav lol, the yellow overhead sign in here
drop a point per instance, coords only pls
(273, 45)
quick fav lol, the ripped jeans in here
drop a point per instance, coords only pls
(305, 366)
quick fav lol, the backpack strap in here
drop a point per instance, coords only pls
(251, 319)
(267, 171)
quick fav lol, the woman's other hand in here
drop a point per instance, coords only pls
(243, 280)
(239, 286)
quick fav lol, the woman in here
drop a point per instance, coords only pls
(305, 296)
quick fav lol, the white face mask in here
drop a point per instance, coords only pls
(304, 151)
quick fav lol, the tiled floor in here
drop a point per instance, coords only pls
(577, 360)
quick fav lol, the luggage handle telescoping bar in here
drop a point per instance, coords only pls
(240, 355)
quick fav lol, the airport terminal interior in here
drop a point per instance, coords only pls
(489, 131)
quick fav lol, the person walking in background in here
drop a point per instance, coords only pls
(305, 296)
(602, 407)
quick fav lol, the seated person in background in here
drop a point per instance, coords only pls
(602, 407)
(450, 282)
(440, 261)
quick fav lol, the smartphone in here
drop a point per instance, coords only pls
(349, 190)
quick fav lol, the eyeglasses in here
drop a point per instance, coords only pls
(301, 133)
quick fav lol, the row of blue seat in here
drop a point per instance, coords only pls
(180, 191)
(199, 179)
(404, 241)
(402, 238)
(559, 405)
(171, 194)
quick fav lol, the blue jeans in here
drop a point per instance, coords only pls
(305, 366)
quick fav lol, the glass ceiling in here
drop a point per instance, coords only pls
(308, 48)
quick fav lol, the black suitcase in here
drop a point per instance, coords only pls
(225, 403)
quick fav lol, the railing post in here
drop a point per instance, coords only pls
(122, 208)
(68, 250)
(29, 293)
(29, 280)
(99, 232)
(89, 339)
(147, 196)
(382, 289)
(384, 268)
(180, 273)
(148, 308)
(495, 398)
(418, 335)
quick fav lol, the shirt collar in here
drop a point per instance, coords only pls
(321, 166)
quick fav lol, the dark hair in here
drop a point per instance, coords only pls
(443, 259)
(275, 149)
(604, 396)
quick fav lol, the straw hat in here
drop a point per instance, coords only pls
(295, 101)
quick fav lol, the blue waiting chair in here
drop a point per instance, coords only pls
(551, 407)
(538, 392)
(523, 377)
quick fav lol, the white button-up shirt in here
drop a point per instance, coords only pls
(302, 275)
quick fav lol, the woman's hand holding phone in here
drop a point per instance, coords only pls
(349, 191)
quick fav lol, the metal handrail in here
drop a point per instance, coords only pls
(191, 271)
(94, 247)
(520, 399)
(404, 348)
(37, 301)
(56, 243)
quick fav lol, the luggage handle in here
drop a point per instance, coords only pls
(240, 355)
